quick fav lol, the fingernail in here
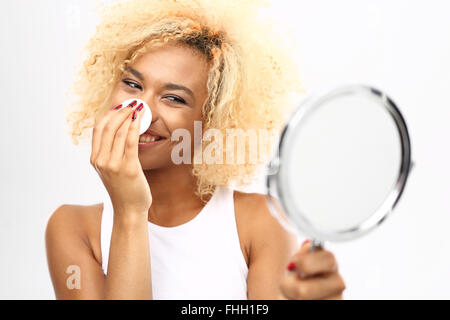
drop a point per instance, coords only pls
(134, 115)
(305, 242)
(131, 105)
(139, 108)
(291, 266)
(118, 107)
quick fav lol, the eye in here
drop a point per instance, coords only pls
(176, 99)
(132, 84)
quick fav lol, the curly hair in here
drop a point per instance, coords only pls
(252, 80)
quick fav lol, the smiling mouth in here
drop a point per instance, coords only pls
(149, 138)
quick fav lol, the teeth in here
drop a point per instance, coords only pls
(147, 138)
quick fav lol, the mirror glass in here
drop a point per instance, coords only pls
(343, 160)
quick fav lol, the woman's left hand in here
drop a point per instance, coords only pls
(312, 275)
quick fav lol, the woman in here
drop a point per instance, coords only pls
(171, 230)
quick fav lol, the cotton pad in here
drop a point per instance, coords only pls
(146, 117)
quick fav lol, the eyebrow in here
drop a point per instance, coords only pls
(170, 86)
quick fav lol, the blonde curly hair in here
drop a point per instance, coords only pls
(252, 81)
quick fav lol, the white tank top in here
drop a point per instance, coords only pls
(200, 259)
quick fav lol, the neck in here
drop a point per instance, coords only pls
(173, 195)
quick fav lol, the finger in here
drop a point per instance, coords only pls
(329, 285)
(115, 120)
(118, 148)
(98, 130)
(132, 143)
(316, 263)
(304, 249)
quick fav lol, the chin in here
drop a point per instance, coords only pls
(152, 164)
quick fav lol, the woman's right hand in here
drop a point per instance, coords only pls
(115, 157)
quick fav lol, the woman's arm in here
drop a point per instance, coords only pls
(129, 273)
(273, 248)
(115, 158)
(74, 269)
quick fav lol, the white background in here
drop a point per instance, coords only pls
(402, 47)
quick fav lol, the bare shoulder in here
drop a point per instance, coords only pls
(258, 223)
(253, 207)
(71, 222)
(72, 239)
(250, 205)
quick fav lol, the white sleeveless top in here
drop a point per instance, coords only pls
(200, 259)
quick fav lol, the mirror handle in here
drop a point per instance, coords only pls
(316, 244)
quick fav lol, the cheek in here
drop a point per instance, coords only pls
(119, 95)
(182, 119)
(115, 98)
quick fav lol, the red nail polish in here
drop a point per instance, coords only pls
(134, 115)
(139, 108)
(305, 242)
(131, 105)
(291, 266)
(118, 107)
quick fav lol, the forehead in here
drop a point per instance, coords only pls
(174, 63)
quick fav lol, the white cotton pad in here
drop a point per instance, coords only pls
(146, 118)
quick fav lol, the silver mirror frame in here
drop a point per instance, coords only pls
(277, 173)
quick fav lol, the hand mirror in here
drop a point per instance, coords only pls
(341, 164)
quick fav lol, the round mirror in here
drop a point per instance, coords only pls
(342, 163)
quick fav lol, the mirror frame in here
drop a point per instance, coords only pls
(277, 173)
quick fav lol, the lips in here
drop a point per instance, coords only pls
(150, 137)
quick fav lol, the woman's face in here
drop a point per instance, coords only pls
(172, 80)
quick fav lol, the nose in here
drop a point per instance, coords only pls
(155, 112)
(153, 107)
